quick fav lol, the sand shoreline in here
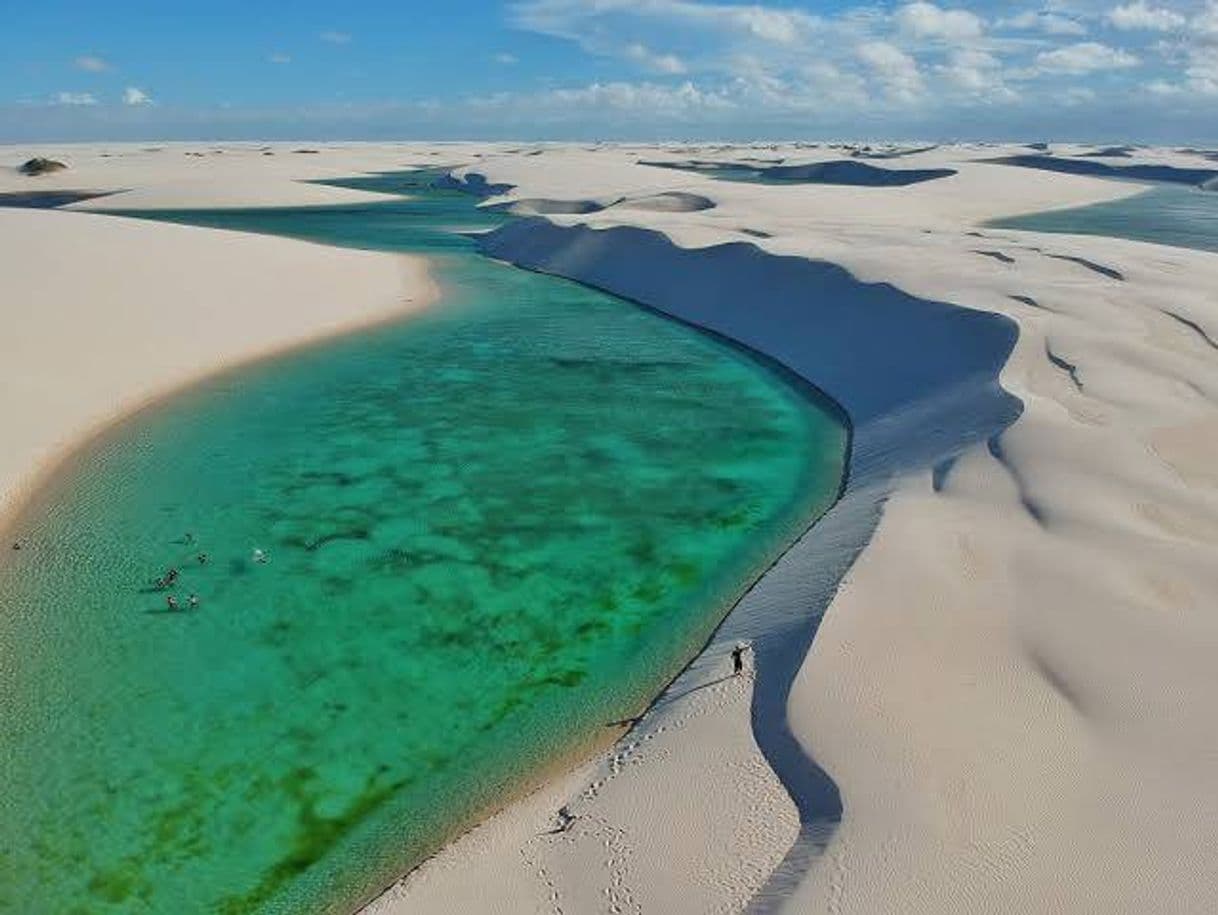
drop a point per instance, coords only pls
(968, 691)
(395, 288)
(41, 480)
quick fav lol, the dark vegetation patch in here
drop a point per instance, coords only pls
(40, 166)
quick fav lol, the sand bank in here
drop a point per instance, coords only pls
(103, 315)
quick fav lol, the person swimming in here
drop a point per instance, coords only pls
(193, 601)
(260, 556)
(202, 558)
(171, 602)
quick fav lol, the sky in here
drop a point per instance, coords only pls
(1081, 70)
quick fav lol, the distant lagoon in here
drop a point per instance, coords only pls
(1168, 215)
(492, 530)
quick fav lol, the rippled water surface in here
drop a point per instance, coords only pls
(490, 531)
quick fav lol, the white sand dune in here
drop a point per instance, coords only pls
(1009, 700)
(668, 202)
(1013, 685)
(102, 315)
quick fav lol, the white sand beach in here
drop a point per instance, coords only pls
(104, 315)
(1012, 688)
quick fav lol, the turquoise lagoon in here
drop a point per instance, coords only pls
(1186, 217)
(492, 531)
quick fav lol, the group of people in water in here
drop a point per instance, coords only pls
(171, 576)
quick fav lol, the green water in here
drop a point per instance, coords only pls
(491, 531)
(1181, 216)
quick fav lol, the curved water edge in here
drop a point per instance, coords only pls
(911, 408)
(110, 524)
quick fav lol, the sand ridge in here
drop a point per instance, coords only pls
(1011, 685)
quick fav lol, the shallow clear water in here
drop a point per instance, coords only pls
(1185, 217)
(491, 531)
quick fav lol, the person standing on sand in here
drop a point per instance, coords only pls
(738, 658)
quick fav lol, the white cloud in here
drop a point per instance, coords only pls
(896, 70)
(91, 63)
(1202, 71)
(973, 70)
(134, 96)
(333, 37)
(828, 85)
(782, 26)
(569, 18)
(1163, 87)
(280, 58)
(1048, 23)
(506, 59)
(868, 58)
(1085, 57)
(661, 63)
(74, 98)
(1140, 16)
(1205, 23)
(622, 97)
(925, 20)
(1077, 95)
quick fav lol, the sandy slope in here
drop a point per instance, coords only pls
(1013, 688)
(102, 314)
(1041, 737)
(693, 856)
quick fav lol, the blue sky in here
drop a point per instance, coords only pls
(1098, 70)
